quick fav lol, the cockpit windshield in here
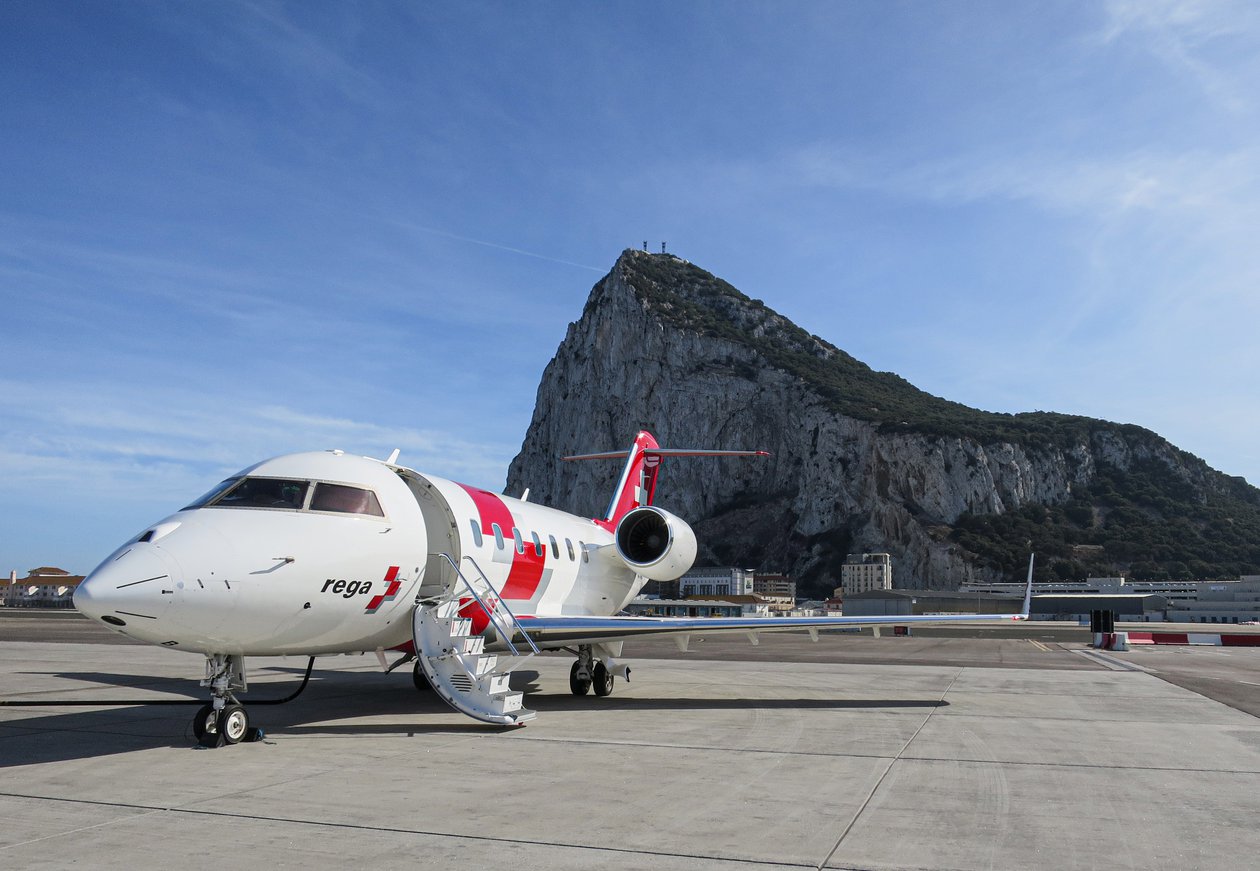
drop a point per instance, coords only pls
(263, 493)
(214, 493)
(345, 500)
(290, 494)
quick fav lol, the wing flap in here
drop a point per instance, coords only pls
(563, 631)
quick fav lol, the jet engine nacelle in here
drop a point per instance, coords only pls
(656, 544)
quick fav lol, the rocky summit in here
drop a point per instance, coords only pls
(861, 460)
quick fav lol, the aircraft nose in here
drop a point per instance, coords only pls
(137, 585)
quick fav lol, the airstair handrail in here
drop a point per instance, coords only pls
(489, 612)
(486, 610)
(515, 622)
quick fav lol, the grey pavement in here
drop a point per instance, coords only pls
(695, 764)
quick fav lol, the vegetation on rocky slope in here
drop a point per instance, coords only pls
(1166, 516)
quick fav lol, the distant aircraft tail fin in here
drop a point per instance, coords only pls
(1023, 614)
(637, 486)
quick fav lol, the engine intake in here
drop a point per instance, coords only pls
(656, 544)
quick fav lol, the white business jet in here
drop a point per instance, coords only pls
(328, 553)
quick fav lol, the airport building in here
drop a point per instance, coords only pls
(906, 603)
(1173, 591)
(700, 606)
(778, 590)
(44, 587)
(1229, 602)
(1185, 601)
(863, 572)
(716, 581)
(1140, 607)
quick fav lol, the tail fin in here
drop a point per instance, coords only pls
(637, 486)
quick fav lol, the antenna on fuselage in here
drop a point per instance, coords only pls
(393, 458)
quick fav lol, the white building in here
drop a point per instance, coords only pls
(1187, 601)
(1227, 602)
(735, 606)
(863, 572)
(44, 587)
(716, 581)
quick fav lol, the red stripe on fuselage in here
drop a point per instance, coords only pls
(527, 568)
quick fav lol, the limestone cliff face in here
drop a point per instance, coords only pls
(664, 346)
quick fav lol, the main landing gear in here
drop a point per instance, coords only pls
(224, 720)
(588, 673)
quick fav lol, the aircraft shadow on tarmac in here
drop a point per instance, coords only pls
(332, 696)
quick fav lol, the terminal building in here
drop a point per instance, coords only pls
(44, 587)
(1184, 601)
(1139, 607)
(725, 581)
(1228, 602)
(700, 606)
(717, 581)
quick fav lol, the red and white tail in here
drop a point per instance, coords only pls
(637, 486)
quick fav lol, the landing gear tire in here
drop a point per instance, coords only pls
(205, 723)
(421, 682)
(601, 680)
(577, 685)
(233, 724)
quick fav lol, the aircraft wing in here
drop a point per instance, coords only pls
(563, 631)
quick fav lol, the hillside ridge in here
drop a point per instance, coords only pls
(862, 460)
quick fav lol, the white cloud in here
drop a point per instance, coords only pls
(106, 436)
(1188, 35)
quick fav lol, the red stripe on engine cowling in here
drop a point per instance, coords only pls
(527, 568)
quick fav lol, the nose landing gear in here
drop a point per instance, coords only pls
(224, 720)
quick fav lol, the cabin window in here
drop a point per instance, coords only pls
(262, 493)
(555, 548)
(520, 542)
(538, 548)
(569, 546)
(342, 499)
(498, 535)
(476, 531)
(586, 555)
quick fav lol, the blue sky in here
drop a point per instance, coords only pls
(235, 229)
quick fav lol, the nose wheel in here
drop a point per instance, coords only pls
(231, 724)
(205, 722)
(224, 720)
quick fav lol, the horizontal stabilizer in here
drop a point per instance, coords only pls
(667, 452)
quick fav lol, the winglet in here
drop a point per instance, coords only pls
(1023, 615)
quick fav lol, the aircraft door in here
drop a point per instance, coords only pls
(442, 536)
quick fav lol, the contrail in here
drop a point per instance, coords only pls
(501, 247)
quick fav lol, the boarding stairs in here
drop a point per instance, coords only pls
(454, 659)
